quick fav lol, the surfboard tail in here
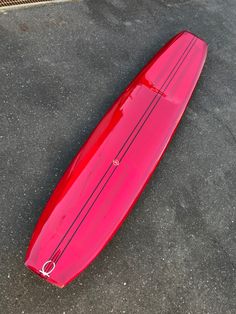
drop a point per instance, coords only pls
(109, 172)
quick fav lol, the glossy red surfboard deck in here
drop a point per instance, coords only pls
(111, 169)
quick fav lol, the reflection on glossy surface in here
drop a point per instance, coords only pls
(106, 177)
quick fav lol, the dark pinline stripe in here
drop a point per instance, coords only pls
(134, 137)
(121, 159)
(192, 41)
(77, 216)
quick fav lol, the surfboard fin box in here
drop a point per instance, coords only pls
(108, 174)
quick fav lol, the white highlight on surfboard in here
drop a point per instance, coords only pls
(47, 273)
(116, 162)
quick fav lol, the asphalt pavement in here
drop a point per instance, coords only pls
(61, 66)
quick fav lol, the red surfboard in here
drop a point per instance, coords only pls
(110, 171)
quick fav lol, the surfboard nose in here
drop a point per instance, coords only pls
(170, 58)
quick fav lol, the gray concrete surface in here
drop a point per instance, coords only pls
(61, 67)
